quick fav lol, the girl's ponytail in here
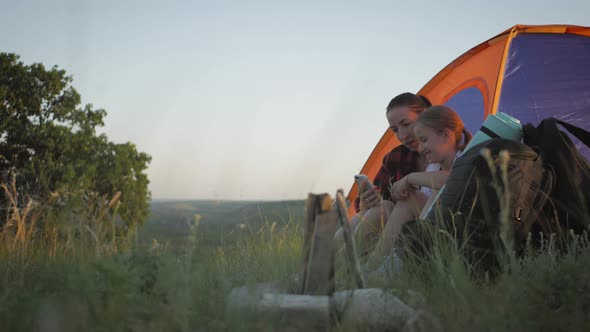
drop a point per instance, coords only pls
(466, 138)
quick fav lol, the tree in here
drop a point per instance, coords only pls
(51, 141)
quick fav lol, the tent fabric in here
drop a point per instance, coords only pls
(548, 75)
(461, 74)
(470, 106)
(497, 75)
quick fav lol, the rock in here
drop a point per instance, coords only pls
(370, 309)
(422, 321)
(415, 299)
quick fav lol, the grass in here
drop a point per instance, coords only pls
(542, 291)
(71, 282)
(180, 282)
(141, 290)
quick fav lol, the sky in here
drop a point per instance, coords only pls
(255, 100)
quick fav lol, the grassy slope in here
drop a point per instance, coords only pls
(158, 289)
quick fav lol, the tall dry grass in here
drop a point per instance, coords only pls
(76, 275)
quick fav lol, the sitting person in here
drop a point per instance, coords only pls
(441, 138)
(375, 206)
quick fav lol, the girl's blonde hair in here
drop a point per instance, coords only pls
(442, 117)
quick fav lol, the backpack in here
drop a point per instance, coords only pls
(570, 197)
(472, 204)
(547, 180)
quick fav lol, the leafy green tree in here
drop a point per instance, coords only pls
(51, 141)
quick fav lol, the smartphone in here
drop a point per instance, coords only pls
(360, 178)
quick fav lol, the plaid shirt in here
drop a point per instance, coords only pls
(398, 163)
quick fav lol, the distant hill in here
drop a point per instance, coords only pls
(218, 220)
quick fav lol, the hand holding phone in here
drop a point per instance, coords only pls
(368, 196)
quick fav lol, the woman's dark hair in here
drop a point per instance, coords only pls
(426, 101)
(417, 102)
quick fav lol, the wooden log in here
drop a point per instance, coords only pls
(320, 270)
(260, 307)
(354, 267)
(265, 307)
(315, 205)
(243, 301)
(287, 312)
(308, 224)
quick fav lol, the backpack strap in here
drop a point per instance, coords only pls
(531, 135)
(581, 134)
(548, 133)
(554, 141)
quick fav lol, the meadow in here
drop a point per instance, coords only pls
(178, 269)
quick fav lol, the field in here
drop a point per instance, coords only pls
(218, 222)
(190, 254)
(173, 277)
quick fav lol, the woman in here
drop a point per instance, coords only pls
(441, 137)
(375, 206)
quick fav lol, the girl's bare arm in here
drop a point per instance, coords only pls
(434, 180)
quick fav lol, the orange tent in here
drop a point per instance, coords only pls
(529, 72)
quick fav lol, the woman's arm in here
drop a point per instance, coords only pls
(434, 180)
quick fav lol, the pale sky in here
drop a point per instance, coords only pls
(256, 99)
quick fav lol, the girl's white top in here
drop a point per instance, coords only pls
(434, 168)
(430, 168)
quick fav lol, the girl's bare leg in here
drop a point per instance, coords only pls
(403, 212)
(428, 204)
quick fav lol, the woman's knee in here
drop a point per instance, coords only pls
(387, 205)
(383, 208)
(376, 217)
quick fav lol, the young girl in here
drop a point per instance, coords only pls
(441, 138)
